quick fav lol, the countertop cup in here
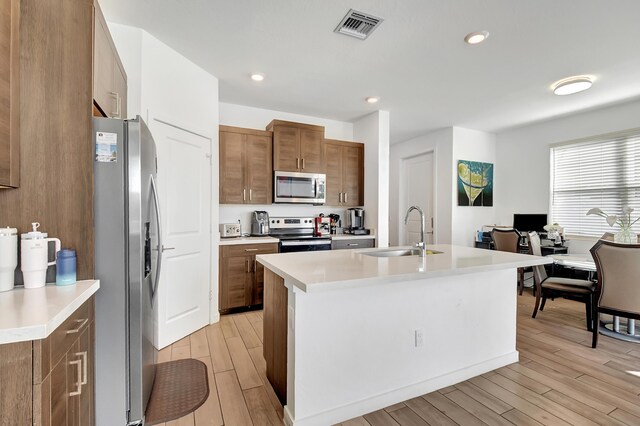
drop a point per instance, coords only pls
(8, 257)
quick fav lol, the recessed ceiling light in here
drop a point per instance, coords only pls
(571, 85)
(476, 37)
(372, 99)
(256, 76)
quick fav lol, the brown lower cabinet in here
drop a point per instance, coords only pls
(50, 382)
(241, 276)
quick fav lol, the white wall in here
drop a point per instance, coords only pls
(440, 143)
(471, 145)
(522, 184)
(373, 131)
(259, 118)
(162, 84)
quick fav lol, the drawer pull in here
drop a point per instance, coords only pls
(353, 244)
(85, 374)
(82, 324)
(78, 390)
(254, 249)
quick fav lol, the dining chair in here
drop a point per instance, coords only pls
(608, 236)
(552, 287)
(509, 240)
(617, 291)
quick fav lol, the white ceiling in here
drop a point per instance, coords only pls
(416, 61)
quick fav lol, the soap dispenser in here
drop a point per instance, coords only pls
(34, 256)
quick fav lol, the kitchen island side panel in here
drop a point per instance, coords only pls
(354, 351)
(275, 333)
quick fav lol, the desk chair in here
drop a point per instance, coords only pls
(551, 287)
(508, 240)
(617, 291)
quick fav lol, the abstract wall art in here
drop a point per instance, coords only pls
(475, 183)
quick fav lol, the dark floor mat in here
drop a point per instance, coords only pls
(180, 387)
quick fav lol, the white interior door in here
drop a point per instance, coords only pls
(417, 178)
(184, 183)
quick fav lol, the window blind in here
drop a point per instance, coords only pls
(603, 172)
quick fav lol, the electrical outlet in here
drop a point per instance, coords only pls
(419, 338)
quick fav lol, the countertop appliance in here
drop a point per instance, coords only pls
(355, 219)
(299, 188)
(259, 223)
(34, 256)
(128, 258)
(297, 234)
(8, 257)
(230, 230)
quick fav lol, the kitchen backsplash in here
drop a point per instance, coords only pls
(231, 213)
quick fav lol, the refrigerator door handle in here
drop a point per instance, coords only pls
(154, 289)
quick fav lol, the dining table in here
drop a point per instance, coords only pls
(617, 327)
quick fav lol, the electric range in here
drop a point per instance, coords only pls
(297, 234)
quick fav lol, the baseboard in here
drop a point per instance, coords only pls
(355, 409)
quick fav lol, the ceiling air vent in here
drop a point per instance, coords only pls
(357, 24)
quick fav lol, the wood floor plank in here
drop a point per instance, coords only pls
(394, 407)
(260, 408)
(519, 418)
(261, 366)
(199, 344)
(581, 408)
(447, 389)
(185, 341)
(624, 417)
(164, 354)
(258, 327)
(234, 408)
(541, 401)
(451, 410)
(545, 358)
(220, 357)
(209, 413)
(525, 381)
(358, 421)
(228, 326)
(380, 418)
(620, 395)
(180, 352)
(518, 402)
(484, 398)
(476, 409)
(247, 333)
(243, 365)
(406, 417)
(429, 413)
(187, 420)
(253, 316)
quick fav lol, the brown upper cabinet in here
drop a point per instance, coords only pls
(297, 147)
(109, 78)
(246, 175)
(344, 166)
(10, 93)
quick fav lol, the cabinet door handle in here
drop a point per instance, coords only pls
(345, 197)
(85, 376)
(297, 163)
(253, 249)
(250, 194)
(255, 265)
(117, 113)
(82, 323)
(303, 164)
(352, 244)
(247, 265)
(78, 390)
(340, 197)
(244, 195)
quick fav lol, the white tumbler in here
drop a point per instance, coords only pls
(8, 257)
(34, 257)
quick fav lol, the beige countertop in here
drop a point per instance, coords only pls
(339, 269)
(32, 314)
(247, 240)
(337, 237)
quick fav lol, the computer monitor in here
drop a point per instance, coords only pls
(529, 222)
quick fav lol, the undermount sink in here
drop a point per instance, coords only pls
(397, 252)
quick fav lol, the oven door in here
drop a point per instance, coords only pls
(291, 246)
(300, 188)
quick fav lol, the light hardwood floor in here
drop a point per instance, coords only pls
(559, 380)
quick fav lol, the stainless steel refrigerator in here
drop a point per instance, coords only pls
(128, 258)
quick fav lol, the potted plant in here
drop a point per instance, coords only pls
(624, 235)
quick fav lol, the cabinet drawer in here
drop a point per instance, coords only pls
(352, 244)
(248, 249)
(64, 336)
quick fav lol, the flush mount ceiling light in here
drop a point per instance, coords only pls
(571, 85)
(372, 99)
(257, 76)
(476, 37)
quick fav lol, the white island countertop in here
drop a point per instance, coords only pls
(326, 270)
(32, 314)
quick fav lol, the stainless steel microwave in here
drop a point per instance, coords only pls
(299, 188)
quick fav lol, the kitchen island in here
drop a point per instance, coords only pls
(352, 331)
